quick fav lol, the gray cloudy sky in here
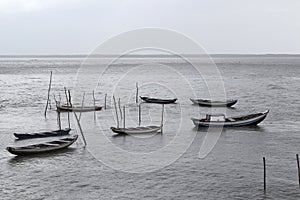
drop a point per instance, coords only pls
(78, 26)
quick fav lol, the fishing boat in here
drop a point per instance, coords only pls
(22, 136)
(221, 120)
(136, 130)
(43, 147)
(156, 100)
(67, 108)
(207, 102)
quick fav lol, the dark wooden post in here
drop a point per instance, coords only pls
(137, 93)
(49, 88)
(298, 167)
(116, 111)
(105, 101)
(265, 175)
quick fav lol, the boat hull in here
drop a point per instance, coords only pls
(249, 122)
(51, 146)
(22, 136)
(158, 101)
(136, 130)
(78, 109)
(208, 103)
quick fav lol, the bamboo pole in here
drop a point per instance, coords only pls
(80, 129)
(67, 100)
(116, 111)
(140, 116)
(297, 157)
(264, 163)
(70, 101)
(49, 88)
(105, 97)
(119, 103)
(162, 117)
(94, 104)
(137, 93)
(124, 125)
(81, 106)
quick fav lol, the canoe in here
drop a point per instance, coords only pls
(136, 130)
(221, 120)
(43, 147)
(65, 108)
(22, 136)
(207, 102)
(155, 100)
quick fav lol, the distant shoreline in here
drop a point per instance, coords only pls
(148, 55)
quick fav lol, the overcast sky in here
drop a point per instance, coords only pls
(78, 26)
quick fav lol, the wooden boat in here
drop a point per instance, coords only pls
(136, 130)
(65, 108)
(207, 102)
(155, 100)
(221, 120)
(22, 136)
(43, 147)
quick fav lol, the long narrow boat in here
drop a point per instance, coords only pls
(156, 100)
(221, 120)
(136, 130)
(207, 102)
(43, 147)
(65, 108)
(22, 136)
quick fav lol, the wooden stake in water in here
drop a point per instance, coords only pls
(94, 104)
(162, 117)
(81, 106)
(265, 175)
(67, 100)
(116, 111)
(70, 102)
(137, 93)
(121, 116)
(140, 115)
(124, 117)
(49, 88)
(80, 129)
(105, 101)
(297, 157)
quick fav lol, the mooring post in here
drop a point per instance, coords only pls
(116, 111)
(297, 157)
(124, 117)
(94, 104)
(121, 116)
(67, 100)
(137, 92)
(81, 106)
(265, 175)
(49, 88)
(162, 117)
(70, 102)
(140, 115)
(80, 129)
(105, 101)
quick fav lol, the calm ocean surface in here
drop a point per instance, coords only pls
(232, 170)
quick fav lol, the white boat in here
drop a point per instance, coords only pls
(221, 120)
(136, 130)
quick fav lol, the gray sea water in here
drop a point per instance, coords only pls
(232, 170)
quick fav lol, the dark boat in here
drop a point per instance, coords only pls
(221, 120)
(159, 101)
(43, 147)
(65, 108)
(207, 102)
(22, 136)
